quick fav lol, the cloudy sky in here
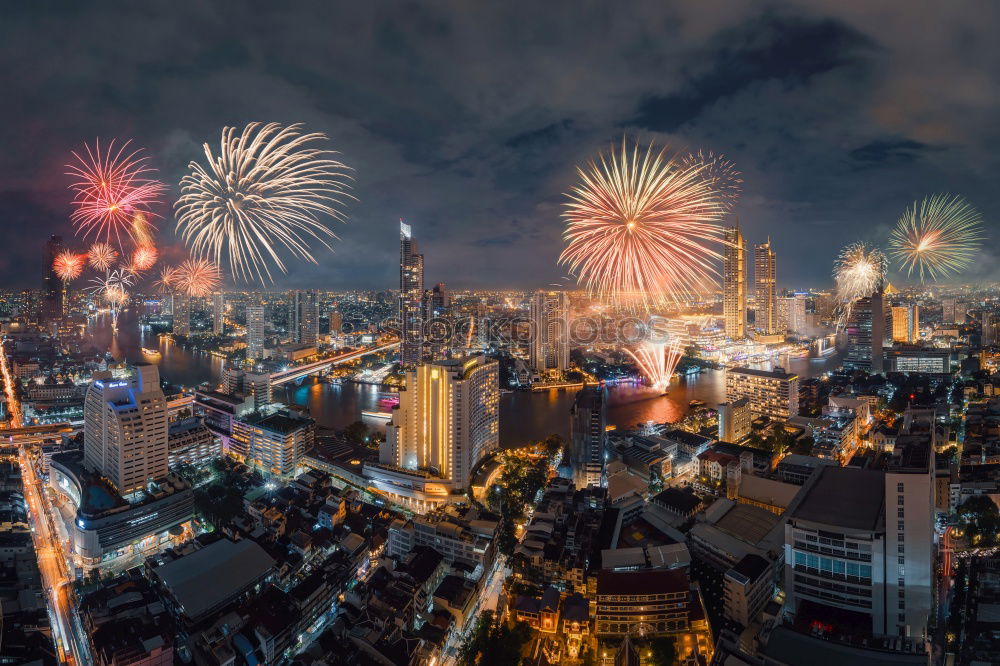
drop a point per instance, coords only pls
(467, 118)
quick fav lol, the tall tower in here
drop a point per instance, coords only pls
(865, 333)
(308, 333)
(411, 295)
(54, 289)
(125, 428)
(588, 424)
(734, 283)
(255, 332)
(550, 331)
(765, 294)
(448, 418)
(218, 313)
(182, 314)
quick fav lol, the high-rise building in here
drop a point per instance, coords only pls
(773, 393)
(411, 296)
(865, 334)
(218, 313)
(182, 314)
(53, 287)
(765, 289)
(906, 323)
(448, 419)
(125, 428)
(255, 332)
(735, 418)
(734, 283)
(588, 426)
(255, 384)
(990, 335)
(549, 349)
(948, 308)
(273, 443)
(862, 540)
(336, 322)
(439, 301)
(303, 317)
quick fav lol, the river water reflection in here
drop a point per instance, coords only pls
(524, 416)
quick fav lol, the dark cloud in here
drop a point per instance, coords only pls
(468, 119)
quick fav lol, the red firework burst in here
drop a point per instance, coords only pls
(198, 277)
(68, 265)
(111, 186)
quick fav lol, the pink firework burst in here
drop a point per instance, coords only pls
(111, 185)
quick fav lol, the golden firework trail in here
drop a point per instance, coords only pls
(937, 237)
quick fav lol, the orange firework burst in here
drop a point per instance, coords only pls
(167, 280)
(111, 186)
(142, 230)
(144, 257)
(657, 362)
(101, 256)
(68, 265)
(639, 227)
(197, 277)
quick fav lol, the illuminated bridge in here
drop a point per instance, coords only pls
(300, 371)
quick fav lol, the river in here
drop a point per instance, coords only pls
(524, 416)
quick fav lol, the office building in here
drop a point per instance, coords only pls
(256, 385)
(303, 317)
(735, 418)
(765, 289)
(746, 588)
(411, 295)
(734, 284)
(906, 323)
(53, 287)
(773, 393)
(859, 547)
(588, 425)
(336, 323)
(447, 420)
(949, 312)
(182, 314)
(990, 335)
(255, 332)
(438, 301)
(125, 428)
(549, 348)
(865, 334)
(272, 442)
(218, 313)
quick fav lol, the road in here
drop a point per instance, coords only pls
(71, 641)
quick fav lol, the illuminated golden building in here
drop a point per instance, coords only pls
(447, 420)
(734, 284)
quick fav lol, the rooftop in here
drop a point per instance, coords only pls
(770, 374)
(844, 496)
(211, 574)
(660, 581)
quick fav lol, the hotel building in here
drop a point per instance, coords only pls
(772, 393)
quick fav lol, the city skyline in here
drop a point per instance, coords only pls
(846, 135)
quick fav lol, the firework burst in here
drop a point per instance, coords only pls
(111, 186)
(142, 231)
(101, 256)
(719, 173)
(657, 362)
(68, 265)
(937, 237)
(197, 277)
(267, 189)
(859, 271)
(167, 280)
(113, 289)
(144, 257)
(639, 227)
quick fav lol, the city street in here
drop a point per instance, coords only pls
(71, 641)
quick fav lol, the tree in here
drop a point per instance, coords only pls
(356, 433)
(664, 651)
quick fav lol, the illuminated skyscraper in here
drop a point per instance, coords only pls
(411, 296)
(588, 425)
(125, 428)
(448, 419)
(54, 288)
(303, 316)
(765, 296)
(182, 314)
(734, 283)
(866, 333)
(550, 331)
(906, 323)
(218, 313)
(255, 332)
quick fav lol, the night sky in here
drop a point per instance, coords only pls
(467, 118)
